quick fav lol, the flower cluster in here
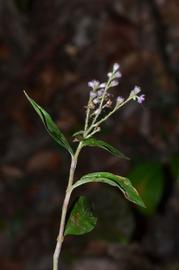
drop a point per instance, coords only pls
(99, 91)
(100, 98)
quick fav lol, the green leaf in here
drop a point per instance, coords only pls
(93, 142)
(120, 182)
(50, 125)
(81, 219)
(148, 178)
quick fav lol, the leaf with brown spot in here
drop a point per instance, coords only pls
(81, 219)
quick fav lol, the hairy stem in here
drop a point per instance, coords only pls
(60, 237)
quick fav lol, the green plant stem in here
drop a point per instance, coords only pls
(60, 237)
(101, 104)
(96, 124)
(87, 115)
(109, 114)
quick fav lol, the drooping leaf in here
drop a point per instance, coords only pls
(148, 178)
(50, 125)
(106, 146)
(81, 219)
(120, 182)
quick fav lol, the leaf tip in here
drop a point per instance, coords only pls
(142, 204)
(25, 93)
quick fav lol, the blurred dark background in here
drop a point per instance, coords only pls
(52, 49)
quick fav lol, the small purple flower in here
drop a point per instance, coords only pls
(93, 84)
(135, 91)
(140, 99)
(114, 83)
(92, 94)
(119, 100)
(100, 92)
(118, 74)
(102, 85)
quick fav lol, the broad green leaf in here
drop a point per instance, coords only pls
(50, 125)
(120, 182)
(148, 178)
(98, 143)
(81, 219)
(174, 165)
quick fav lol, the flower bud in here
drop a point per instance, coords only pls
(92, 94)
(93, 84)
(119, 100)
(114, 83)
(115, 67)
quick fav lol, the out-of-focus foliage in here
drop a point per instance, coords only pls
(148, 178)
(174, 163)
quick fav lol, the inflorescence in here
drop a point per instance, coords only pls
(98, 90)
(100, 98)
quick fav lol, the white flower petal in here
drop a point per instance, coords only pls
(109, 74)
(120, 99)
(93, 84)
(118, 74)
(114, 83)
(102, 85)
(116, 66)
(136, 90)
(92, 94)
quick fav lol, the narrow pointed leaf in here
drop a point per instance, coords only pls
(106, 146)
(50, 125)
(81, 219)
(120, 182)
